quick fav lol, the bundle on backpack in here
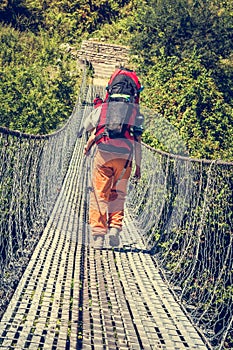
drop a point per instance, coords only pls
(124, 83)
(119, 111)
(97, 101)
(116, 118)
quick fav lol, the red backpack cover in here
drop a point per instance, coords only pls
(118, 112)
(124, 81)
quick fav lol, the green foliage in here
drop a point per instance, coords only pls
(177, 27)
(118, 31)
(68, 18)
(182, 50)
(149, 139)
(21, 16)
(185, 93)
(115, 33)
(38, 82)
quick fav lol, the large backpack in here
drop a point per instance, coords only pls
(124, 82)
(119, 111)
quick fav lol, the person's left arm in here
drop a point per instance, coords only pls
(138, 156)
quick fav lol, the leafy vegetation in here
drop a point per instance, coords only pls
(38, 82)
(186, 55)
(187, 95)
(69, 19)
(182, 50)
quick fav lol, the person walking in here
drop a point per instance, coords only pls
(116, 135)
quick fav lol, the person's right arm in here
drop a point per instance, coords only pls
(90, 143)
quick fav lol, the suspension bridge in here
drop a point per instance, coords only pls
(169, 285)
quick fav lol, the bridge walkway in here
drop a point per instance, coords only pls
(73, 297)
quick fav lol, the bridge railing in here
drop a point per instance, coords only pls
(32, 170)
(183, 208)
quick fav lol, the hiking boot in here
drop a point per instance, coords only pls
(114, 237)
(98, 242)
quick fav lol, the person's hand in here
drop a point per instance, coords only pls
(86, 151)
(137, 173)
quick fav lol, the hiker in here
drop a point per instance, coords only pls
(116, 131)
(97, 101)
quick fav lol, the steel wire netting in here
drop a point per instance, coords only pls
(32, 170)
(182, 207)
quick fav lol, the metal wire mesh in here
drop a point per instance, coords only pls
(32, 170)
(184, 211)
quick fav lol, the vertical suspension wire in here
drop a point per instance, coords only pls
(32, 170)
(189, 231)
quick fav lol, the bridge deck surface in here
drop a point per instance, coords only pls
(73, 297)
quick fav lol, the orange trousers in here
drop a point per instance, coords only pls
(109, 189)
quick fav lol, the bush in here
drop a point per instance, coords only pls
(185, 93)
(39, 82)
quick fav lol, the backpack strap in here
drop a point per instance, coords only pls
(119, 98)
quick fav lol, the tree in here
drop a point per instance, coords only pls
(16, 13)
(185, 93)
(176, 27)
(38, 82)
